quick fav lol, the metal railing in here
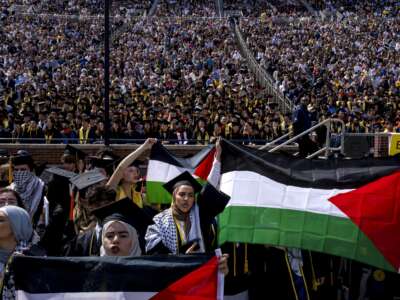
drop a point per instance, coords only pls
(153, 8)
(328, 149)
(219, 5)
(284, 104)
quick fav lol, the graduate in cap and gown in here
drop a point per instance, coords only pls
(92, 195)
(61, 195)
(103, 204)
(31, 188)
(119, 237)
(188, 226)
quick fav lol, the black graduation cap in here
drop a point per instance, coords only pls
(105, 159)
(127, 211)
(212, 201)
(77, 153)
(124, 209)
(183, 179)
(87, 179)
(22, 157)
(136, 163)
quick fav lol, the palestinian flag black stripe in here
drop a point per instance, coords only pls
(307, 173)
(105, 274)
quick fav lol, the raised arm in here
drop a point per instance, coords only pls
(215, 172)
(127, 161)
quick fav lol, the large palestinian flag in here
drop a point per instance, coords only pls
(164, 166)
(94, 278)
(349, 208)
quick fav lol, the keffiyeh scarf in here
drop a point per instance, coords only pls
(164, 230)
(30, 188)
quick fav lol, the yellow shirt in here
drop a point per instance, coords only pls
(134, 195)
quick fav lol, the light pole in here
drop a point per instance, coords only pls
(107, 4)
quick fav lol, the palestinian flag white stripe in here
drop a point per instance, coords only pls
(251, 189)
(159, 171)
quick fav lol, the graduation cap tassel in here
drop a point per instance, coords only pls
(10, 173)
(72, 203)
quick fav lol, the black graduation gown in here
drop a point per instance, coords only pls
(60, 229)
(84, 244)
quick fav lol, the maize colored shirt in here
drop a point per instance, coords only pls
(133, 194)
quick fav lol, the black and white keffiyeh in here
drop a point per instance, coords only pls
(164, 230)
(30, 188)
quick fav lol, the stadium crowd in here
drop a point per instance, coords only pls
(344, 67)
(178, 77)
(182, 78)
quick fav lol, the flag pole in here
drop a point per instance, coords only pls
(107, 72)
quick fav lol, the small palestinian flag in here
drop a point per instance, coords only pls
(94, 278)
(348, 208)
(164, 166)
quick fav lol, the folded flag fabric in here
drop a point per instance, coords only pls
(156, 277)
(349, 208)
(164, 166)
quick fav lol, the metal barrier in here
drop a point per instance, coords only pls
(376, 144)
(328, 149)
(350, 145)
(153, 8)
(219, 5)
(285, 105)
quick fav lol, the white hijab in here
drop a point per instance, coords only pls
(135, 248)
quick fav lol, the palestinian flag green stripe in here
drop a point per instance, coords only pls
(299, 229)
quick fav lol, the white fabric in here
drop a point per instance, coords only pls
(163, 172)
(215, 173)
(252, 189)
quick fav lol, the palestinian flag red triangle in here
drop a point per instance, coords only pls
(201, 284)
(375, 208)
(204, 168)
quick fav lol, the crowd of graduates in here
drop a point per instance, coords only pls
(183, 80)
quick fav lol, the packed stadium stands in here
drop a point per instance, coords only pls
(179, 75)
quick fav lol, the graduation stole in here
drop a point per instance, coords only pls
(83, 136)
(48, 138)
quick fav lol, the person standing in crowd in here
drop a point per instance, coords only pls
(126, 176)
(189, 225)
(16, 236)
(10, 197)
(61, 196)
(301, 123)
(86, 133)
(92, 195)
(119, 237)
(30, 187)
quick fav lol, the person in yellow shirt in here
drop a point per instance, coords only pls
(130, 185)
(127, 175)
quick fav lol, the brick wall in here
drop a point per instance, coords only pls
(52, 153)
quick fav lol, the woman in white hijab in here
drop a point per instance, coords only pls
(119, 238)
(16, 235)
